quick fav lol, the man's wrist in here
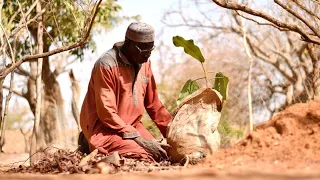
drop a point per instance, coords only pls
(130, 135)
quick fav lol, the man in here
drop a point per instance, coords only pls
(121, 87)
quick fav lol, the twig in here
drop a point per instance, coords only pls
(6, 37)
(316, 1)
(74, 16)
(31, 7)
(23, 72)
(12, 18)
(306, 10)
(30, 156)
(298, 17)
(14, 91)
(15, 31)
(58, 28)
(26, 25)
(5, 112)
(49, 35)
(263, 24)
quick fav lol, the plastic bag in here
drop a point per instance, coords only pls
(193, 131)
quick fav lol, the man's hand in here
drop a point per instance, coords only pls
(153, 147)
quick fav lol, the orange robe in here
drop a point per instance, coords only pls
(115, 102)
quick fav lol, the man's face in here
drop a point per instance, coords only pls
(141, 51)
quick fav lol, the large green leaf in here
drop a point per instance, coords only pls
(221, 85)
(189, 47)
(188, 88)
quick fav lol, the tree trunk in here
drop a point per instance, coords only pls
(52, 111)
(36, 141)
(1, 116)
(53, 116)
(75, 98)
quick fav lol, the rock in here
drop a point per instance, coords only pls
(105, 168)
(113, 158)
(86, 159)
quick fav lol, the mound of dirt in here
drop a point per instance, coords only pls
(291, 136)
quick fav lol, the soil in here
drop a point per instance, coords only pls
(285, 147)
(290, 139)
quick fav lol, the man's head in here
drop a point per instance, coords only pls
(139, 42)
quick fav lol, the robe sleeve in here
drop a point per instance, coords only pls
(156, 110)
(104, 88)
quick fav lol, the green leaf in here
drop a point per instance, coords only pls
(188, 88)
(189, 47)
(221, 85)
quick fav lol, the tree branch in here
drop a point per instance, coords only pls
(14, 91)
(22, 72)
(26, 58)
(306, 10)
(298, 17)
(15, 31)
(263, 24)
(292, 27)
(7, 40)
(26, 26)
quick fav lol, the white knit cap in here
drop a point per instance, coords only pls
(140, 32)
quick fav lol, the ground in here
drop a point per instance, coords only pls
(285, 147)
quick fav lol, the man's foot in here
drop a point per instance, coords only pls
(83, 144)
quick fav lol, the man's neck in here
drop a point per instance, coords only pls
(124, 51)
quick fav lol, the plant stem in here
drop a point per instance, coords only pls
(205, 75)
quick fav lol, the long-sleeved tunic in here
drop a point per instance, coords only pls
(115, 102)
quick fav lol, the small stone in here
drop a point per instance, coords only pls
(113, 158)
(105, 168)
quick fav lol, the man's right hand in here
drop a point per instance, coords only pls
(153, 147)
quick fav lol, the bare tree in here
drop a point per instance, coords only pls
(26, 28)
(305, 21)
(283, 66)
(82, 40)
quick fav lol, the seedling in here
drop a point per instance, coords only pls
(220, 81)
